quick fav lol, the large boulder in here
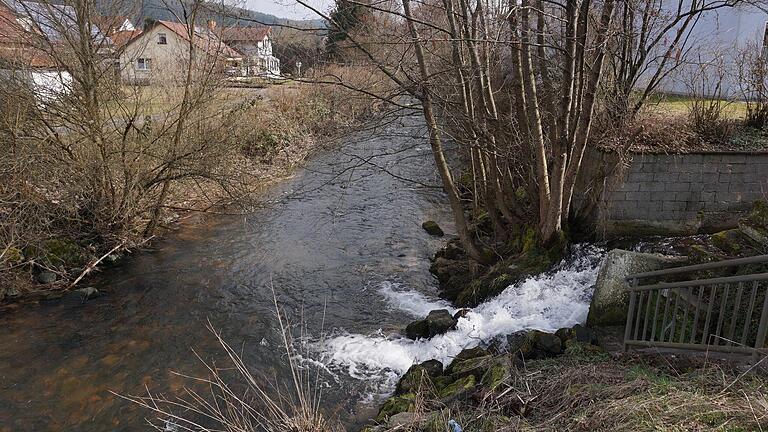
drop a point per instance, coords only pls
(437, 322)
(610, 300)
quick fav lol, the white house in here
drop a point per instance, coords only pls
(161, 51)
(256, 46)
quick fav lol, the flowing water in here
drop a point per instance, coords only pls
(341, 244)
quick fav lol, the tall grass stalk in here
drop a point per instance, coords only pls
(245, 405)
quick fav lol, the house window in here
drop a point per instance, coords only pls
(162, 39)
(144, 64)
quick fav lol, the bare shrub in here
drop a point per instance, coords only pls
(753, 82)
(708, 103)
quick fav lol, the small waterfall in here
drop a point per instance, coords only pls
(556, 299)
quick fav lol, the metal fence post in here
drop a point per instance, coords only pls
(630, 313)
(761, 330)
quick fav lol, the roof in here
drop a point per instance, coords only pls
(245, 34)
(121, 38)
(110, 24)
(51, 20)
(16, 43)
(26, 56)
(10, 29)
(204, 39)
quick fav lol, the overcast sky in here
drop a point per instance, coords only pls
(288, 8)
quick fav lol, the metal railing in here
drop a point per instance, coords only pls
(724, 314)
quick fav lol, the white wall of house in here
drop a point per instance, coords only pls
(161, 55)
(259, 56)
(147, 58)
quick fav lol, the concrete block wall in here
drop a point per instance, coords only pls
(684, 192)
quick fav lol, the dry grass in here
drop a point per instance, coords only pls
(237, 400)
(629, 393)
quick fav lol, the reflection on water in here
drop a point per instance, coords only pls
(347, 228)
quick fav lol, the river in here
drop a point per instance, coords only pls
(342, 245)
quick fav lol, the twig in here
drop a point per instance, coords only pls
(93, 265)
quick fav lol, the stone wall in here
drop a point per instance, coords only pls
(681, 193)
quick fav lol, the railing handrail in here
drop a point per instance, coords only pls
(702, 282)
(698, 267)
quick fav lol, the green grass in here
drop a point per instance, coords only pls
(680, 105)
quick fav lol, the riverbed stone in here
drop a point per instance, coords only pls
(415, 379)
(465, 354)
(437, 322)
(610, 300)
(432, 228)
(88, 292)
(396, 405)
(46, 277)
(458, 387)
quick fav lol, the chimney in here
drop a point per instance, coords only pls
(211, 25)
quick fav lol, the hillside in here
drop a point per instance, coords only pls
(171, 10)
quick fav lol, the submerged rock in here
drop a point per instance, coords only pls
(437, 322)
(611, 298)
(432, 228)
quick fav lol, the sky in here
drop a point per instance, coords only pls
(288, 8)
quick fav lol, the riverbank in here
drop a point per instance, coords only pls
(45, 251)
(578, 378)
(579, 387)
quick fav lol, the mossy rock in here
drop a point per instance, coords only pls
(413, 380)
(396, 405)
(475, 366)
(496, 375)
(458, 387)
(432, 228)
(60, 253)
(730, 241)
(755, 225)
(465, 354)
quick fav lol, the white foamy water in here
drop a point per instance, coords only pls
(545, 302)
(411, 302)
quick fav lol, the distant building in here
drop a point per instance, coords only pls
(28, 33)
(161, 51)
(256, 46)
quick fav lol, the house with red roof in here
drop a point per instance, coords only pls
(161, 51)
(24, 57)
(255, 44)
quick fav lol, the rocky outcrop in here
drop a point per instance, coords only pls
(610, 300)
(437, 322)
